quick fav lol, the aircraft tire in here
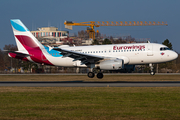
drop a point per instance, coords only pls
(152, 73)
(91, 74)
(100, 75)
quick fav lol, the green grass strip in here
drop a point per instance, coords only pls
(89, 103)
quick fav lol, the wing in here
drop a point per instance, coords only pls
(84, 58)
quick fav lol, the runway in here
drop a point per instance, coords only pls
(89, 84)
(79, 74)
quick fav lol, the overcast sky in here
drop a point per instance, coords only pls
(43, 13)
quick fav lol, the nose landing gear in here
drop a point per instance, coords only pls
(152, 69)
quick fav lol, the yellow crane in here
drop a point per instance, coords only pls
(92, 24)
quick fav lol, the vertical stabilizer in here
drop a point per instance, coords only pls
(28, 44)
(24, 39)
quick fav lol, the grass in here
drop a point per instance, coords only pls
(85, 78)
(89, 103)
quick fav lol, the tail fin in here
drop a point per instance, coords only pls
(27, 44)
(24, 39)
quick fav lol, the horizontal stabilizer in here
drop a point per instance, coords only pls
(16, 54)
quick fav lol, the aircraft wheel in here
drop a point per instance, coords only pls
(100, 75)
(90, 74)
(152, 73)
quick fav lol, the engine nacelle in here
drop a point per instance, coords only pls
(115, 64)
(127, 69)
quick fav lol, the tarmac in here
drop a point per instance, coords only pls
(89, 84)
(93, 83)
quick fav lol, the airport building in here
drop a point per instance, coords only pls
(50, 35)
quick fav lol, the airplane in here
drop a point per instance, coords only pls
(102, 57)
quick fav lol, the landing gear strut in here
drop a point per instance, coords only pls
(151, 71)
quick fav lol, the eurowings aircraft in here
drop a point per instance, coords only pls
(102, 57)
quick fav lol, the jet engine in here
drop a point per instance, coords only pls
(115, 64)
(126, 69)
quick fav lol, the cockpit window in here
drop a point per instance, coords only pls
(164, 48)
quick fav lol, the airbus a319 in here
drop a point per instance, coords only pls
(102, 57)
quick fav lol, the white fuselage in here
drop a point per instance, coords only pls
(132, 54)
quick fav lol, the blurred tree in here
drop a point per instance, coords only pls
(95, 42)
(111, 39)
(2, 65)
(83, 34)
(8, 61)
(106, 41)
(119, 41)
(167, 43)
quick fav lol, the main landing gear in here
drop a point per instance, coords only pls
(151, 71)
(99, 75)
(92, 74)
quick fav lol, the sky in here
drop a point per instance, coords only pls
(45, 13)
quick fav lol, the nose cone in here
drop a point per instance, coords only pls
(174, 55)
